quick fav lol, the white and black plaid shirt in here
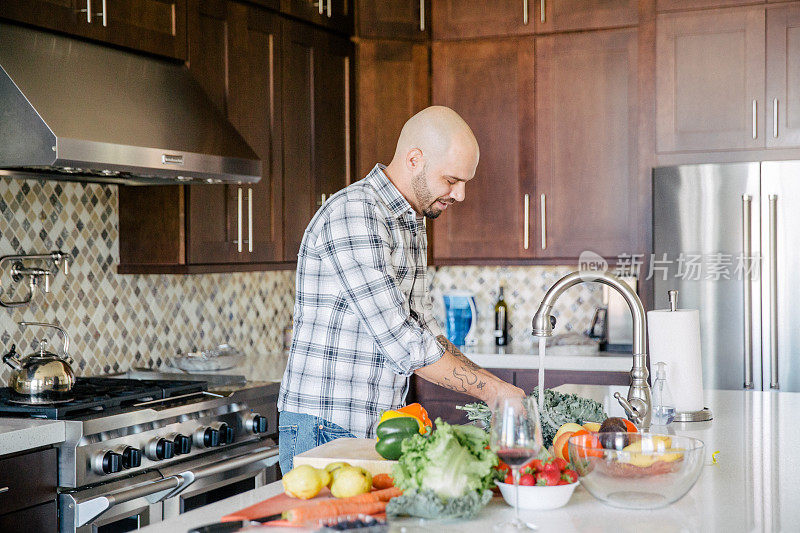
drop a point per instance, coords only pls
(362, 315)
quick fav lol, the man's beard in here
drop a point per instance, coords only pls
(424, 195)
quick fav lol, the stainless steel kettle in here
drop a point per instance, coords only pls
(41, 373)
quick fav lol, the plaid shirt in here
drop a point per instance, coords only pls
(362, 315)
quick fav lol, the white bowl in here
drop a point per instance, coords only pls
(538, 498)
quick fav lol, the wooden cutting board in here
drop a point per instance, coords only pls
(357, 452)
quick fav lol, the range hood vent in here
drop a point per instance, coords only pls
(78, 111)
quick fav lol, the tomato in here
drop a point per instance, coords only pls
(527, 479)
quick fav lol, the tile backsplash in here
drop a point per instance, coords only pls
(118, 321)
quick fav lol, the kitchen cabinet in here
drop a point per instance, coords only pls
(394, 19)
(464, 19)
(586, 144)
(683, 5)
(334, 15)
(491, 84)
(317, 137)
(28, 502)
(234, 55)
(783, 76)
(154, 26)
(710, 68)
(570, 15)
(392, 83)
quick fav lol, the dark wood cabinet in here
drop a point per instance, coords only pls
(783, 76)
(491, 84)
(394, 19)
(334, 15)
(464, 19)
(683, 5)
(392, 83)
(317, 110)
(586, 144)
(28, 502)
(569, 15)
(710, 80)
(154, 26)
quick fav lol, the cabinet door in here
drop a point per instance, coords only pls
(462, 19)
(212, 209)
(710, 80)
(392, 84)
(682, 5)
(254, 109)
(155, 26)
(69, 16)
(332, 14)
(394, 19)
(783, 76)
(586, 150)
(565, 15)
(490, 84)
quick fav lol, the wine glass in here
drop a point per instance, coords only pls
(516, 437)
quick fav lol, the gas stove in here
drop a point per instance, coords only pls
(154, 443)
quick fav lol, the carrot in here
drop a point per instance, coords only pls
(383, 495)
(331, 509)
(382, 481)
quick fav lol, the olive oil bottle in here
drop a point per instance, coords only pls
(501, 320)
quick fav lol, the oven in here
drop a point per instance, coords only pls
(128, 505)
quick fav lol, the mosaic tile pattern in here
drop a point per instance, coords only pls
(524, 289)
(116, 321)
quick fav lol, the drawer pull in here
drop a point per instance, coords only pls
(3, 489)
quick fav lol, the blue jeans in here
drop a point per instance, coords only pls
(299, 432)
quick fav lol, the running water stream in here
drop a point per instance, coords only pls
(542, 346)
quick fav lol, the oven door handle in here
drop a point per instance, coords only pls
(268, 454)
(88, 510)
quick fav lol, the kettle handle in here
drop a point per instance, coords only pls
(58, 328)
(11, 358)
(469, 338)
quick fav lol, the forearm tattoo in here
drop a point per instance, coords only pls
(465, 375)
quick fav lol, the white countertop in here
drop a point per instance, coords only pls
(20, 434)
(754, 487)
(556, 358)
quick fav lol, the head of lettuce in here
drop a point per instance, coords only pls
(444, 474)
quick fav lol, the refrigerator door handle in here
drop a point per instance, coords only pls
(773, 291)
(747, 250)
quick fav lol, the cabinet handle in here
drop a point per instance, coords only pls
(775, 117)
(322, 199)
(103, 14)
(525, 12)
(3, 489)
(747, 250)
(773, 291)
(755, 119)
(320, 6)
(329, 9)
(239, 222)
(526, 222)
(543, 8)
(544, 221)
(422, 15)
(88, 11)
(250, 220)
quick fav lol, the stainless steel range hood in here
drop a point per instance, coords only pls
(78, 111)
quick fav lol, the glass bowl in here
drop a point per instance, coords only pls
(636, 470)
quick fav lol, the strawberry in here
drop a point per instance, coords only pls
(509, 479)
(502, 466)
(550, 466)
(560, 463)
(535, 465)
(549, 479)
(570, 476)
(527, 480)
(562, 482)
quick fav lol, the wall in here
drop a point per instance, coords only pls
(118, 321)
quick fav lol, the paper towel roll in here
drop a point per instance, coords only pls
(674, 338)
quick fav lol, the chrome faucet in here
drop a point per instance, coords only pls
(638, 405)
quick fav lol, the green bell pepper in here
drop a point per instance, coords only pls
(391, 434)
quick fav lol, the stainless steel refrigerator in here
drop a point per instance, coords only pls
(743, 220)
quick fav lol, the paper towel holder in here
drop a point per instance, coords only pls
(705, 413)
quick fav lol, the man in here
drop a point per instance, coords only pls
(362, 316)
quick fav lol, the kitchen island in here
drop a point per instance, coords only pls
(753, 487)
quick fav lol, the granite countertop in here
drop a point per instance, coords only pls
(21, 434)
(753, 487)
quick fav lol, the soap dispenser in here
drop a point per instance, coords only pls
(663, 406)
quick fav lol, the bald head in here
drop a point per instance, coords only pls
(436, 156)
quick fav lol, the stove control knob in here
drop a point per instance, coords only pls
(107, 462)
(183, 444)
(226, 434)
(256, 423)
(131, 457)
(159, 449)
(206, 437)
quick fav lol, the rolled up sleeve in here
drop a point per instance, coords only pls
(355, 245)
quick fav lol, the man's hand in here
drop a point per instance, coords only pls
(505, 390)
